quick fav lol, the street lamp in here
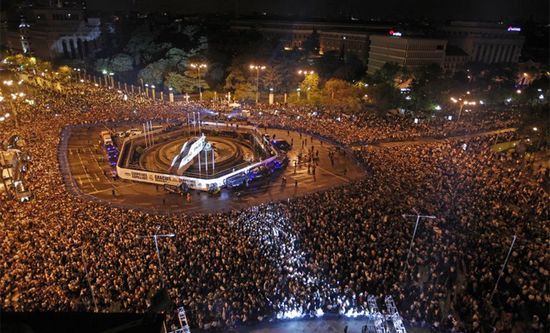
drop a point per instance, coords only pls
(305, 73)
(418, 217)
(104, 72)
(198, 67)
(155, 238)
(14, 97)
(257, 68)
(171, 94)
(153, 90)
(147, 90)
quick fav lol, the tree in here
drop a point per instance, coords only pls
(121, 62)
(192, 76)
(142, 46)
(271, 78)
(245, 91)
(340, 93)
(154, 72)
(310, 86)
(385, 95)
(177, 81)
(388, 73)
(177, 58)
(235, 78)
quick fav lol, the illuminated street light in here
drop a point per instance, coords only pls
(535, 129)
(437, 108)
(518, 91)
(305, 73)
(257, 68)
(541, 96)
(198, 67)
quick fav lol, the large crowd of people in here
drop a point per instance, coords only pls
(324, 252)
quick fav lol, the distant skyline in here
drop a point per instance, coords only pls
(487, 10)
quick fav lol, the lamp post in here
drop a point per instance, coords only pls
(147, 90)
(112, 79)
(171, 94)
(198, 67)
(462, 104)
(271, 96)
(153, 90)
(257, 68)
(13, 106)
(503, 267)
(305, 73)
(104, 72)
(155, 238)
(418, 217)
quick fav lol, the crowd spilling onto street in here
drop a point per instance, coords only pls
(324, 252)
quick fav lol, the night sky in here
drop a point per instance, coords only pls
(507, 10)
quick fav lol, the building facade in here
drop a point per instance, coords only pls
(339, 37)
(455, 59)
(409, 52)
(54, 30)
(486, 43)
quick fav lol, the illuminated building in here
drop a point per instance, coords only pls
(55, 29)
(409, 52)
(486, 42)
(333, 36)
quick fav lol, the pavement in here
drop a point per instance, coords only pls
(90, 169)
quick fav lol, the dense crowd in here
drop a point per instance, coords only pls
(324, 252)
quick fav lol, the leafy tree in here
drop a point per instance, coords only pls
(177, 81)
(385, 95)
(121, 62)
(271, 78)
(143, 48)
(192, 76)
(340, 93)
(235, 78)
(215, 75)
(102, 64)
(388, 73)
(245, 91)
(310, 83)
(310, 87)
(427, 87)
(154, 72)
(177, 58)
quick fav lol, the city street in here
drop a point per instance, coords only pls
(90, 169)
